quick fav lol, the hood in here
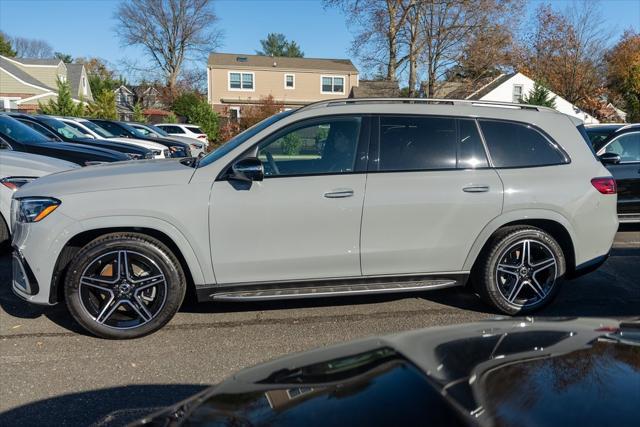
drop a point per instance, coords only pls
(111, 176)
(88, 150)
(114, 145)
(139, 142)
(15, 163)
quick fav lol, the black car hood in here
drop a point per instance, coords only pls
(503, 372)
(113, 145)
(78, 148)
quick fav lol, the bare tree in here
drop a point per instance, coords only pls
(32, 48)
(169, 31)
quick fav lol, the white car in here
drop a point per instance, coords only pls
(92, 130)
(17, 169)
(197, 147)
(180, 129)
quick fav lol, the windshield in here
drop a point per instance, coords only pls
(157, 130)
(239, 139)
(63, 129)
(20, 132)
(97, 129)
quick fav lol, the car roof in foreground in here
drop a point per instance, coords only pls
(490, 372)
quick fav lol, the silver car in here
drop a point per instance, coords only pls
(344, 197)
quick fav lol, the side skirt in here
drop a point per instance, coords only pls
(329, 287)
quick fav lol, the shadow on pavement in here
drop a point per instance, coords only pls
(105, 407)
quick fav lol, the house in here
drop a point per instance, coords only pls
(24, 82)
(148, 96)
(236, 81)
(375, 89)
(511, 88)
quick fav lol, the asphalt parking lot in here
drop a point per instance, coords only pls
(51, 373)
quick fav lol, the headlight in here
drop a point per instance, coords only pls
(15, 182)
(34, 209)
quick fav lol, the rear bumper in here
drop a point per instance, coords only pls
(589, 266)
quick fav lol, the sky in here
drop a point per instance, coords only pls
(87, 27)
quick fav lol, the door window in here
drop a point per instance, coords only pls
(429, 143)
(627, 147)
(515, 145)
(324, 147)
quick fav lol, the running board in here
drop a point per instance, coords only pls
(337, 288)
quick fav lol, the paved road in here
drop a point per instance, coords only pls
(53, 374)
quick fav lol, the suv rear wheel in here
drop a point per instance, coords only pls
(124, 285)
(520, 271)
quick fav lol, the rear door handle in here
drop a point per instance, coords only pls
(476, 189)
(339, 193)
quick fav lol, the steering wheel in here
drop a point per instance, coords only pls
(272, 163)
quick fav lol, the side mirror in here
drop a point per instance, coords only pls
(248, 169)
(610, 158)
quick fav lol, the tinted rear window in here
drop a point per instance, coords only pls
(515, 145)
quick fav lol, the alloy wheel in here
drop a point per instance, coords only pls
(123, 289)
(526, 273)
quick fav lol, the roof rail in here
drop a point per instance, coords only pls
(424, 101)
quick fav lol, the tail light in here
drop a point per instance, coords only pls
(605, 185)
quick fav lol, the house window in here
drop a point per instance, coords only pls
(241, 81)
(289, 81)
(517, 93)
(332, 84)
(84, 85)
(234, 114)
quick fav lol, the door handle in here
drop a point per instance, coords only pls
(476, 189)
(339, 193)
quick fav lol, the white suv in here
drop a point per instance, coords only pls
(337, 198)
(189, 131)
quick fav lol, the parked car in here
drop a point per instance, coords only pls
(457, 192)
(568, 372)
(57, 129)
(17, 136)
(619, 149)
(16, 170)
(197, 148)
(92, 130)
(124, 130)
(180, 129)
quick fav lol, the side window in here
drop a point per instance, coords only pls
(627, 147)
(471, 152)
(514, 145)
(417, 143)
(325, 147)
(172, 129)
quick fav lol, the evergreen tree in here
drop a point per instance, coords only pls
(63, 105)
(138, 114)
(104, 106)
(276, 44)
(540, 95)
(5, 46)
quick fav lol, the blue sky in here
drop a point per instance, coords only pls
(87, 28)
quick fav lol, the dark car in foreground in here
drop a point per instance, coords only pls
(618, 146)
(17, 136)
(124, 130)
(511, 372)
(59, 130)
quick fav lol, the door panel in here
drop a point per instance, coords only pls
(425, 222)
(287, 229)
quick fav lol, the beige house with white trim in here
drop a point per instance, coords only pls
(24, 82)
(236, 81)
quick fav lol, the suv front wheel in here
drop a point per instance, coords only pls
(124, 285)
(521, 270)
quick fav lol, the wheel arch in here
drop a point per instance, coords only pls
(551, 222)
(185, 255)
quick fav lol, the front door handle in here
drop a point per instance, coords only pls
(339, 193)
(476, 189)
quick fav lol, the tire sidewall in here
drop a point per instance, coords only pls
(161, 256)
(501, 245)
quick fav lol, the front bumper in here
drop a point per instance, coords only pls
(23, 282)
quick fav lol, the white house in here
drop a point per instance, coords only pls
(512, 87)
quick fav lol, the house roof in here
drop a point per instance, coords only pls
(484, 90)
(38, 61)
(25, 77)
(375, 89)
(233, 60)
(74, 74)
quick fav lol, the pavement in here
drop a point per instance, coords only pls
(52, 373)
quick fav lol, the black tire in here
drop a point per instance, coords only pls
(5, 241)
(149, 250)
(495, 292)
